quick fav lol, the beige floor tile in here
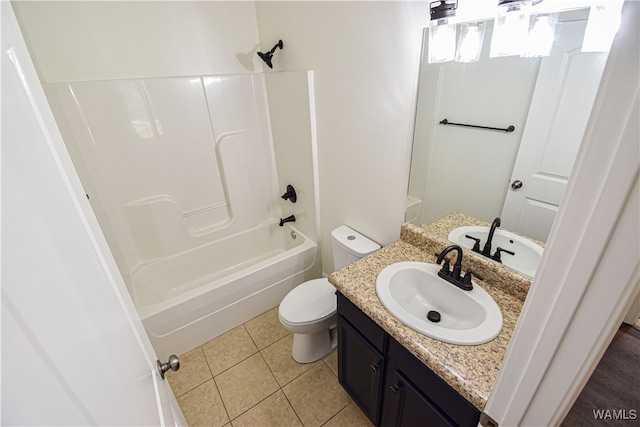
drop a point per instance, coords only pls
(282, 365)
(193, 372)
(350, 416)
(274, 411)
(245, 384)
(228, 349)
(266, 328)
(332, 361)
(316, 395)
(203, 406)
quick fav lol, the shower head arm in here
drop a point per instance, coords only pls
(278, 45)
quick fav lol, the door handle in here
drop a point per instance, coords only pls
(173, 364)
(516, 184)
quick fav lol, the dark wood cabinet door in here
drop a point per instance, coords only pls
(361, 369)
(406, 406)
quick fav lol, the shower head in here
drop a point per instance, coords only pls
(266, 57)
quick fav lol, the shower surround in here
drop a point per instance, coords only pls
(181, 172)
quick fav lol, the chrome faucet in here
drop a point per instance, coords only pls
(455, 276)
(486, 251)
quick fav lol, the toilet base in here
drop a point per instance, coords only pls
(308, 348)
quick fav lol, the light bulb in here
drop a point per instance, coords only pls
(541, 36)
(602, 26)
(470, 42)
(442, 41)
(510, 28)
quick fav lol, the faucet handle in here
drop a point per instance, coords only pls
(496, 256)
(476, 245)
(466, 281)
(445, 268)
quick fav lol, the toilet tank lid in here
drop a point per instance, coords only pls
(353, 241)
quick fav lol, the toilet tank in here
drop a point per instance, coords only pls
(348, 246)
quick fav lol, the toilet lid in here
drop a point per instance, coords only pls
(309, 301)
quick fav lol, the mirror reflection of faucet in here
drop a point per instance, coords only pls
(486, 250)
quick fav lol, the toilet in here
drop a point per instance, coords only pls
(309, 310)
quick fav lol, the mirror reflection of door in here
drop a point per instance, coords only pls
(560, 108)
(548, 100)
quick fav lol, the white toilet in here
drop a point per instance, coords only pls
(309, 310)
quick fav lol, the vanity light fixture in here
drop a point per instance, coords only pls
(602, 26)
(511, 27)
(470, 41)
(442, 31)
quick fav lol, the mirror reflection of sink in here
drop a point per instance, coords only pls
(412, 292)
(527, 253)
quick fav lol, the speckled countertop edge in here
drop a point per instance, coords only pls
(470, 370)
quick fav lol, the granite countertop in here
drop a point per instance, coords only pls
(470, 370)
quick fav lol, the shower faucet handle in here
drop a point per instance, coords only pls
(290, 194)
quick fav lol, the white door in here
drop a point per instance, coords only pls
(73, 348)
(560, 108)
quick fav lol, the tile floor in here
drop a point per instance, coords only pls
(247, 377)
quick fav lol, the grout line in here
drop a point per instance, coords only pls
(292, 407)
(334, 415)
(197, 385)
(221, 399)
(248, 333)
(207, 361)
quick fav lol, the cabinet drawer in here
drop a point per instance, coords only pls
(361, 322)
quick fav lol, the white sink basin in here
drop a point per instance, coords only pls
(410, 290)
(527, 254)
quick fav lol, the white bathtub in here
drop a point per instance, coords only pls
(189, 298)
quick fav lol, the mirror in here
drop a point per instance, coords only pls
(473, 171)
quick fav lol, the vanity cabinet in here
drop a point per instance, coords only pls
(391, 386)
(361, 362)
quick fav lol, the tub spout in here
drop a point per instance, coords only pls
(291, 218)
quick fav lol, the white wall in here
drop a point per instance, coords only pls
(365, 57)
(80, 41)
(292, 117)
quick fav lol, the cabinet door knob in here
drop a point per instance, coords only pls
(395, 388)
(374, 367)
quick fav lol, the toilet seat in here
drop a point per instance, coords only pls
(309, 303)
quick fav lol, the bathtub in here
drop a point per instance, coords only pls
(187, 299)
